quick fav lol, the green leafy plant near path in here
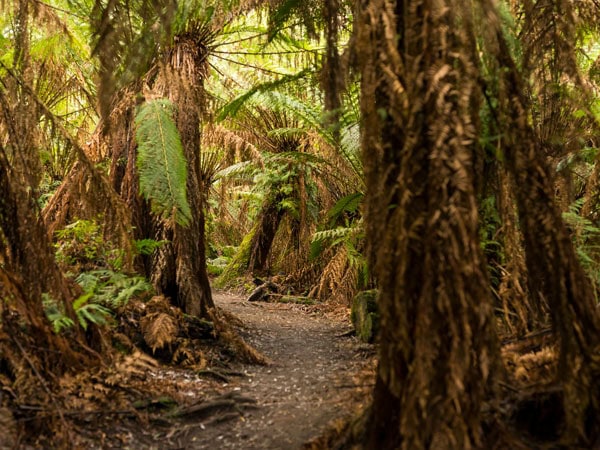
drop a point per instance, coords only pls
(81, 246)
(104, 292)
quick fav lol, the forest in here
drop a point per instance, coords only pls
(319, 224)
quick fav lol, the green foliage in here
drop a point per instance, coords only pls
(365, 315)
(238, 264)
(104, 291)
(344, 226)
(346, 206)
(280, 179)
(161, 162)
(586, 238)
(112, 289)
(55, 314)
(233, 107)
(89, 312)
(216, 266)
(81, 246)
(147, 246)
(489, 227)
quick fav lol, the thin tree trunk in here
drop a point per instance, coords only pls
(263, 236)
(522, 312)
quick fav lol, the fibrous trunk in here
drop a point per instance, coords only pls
(438, 350)
(263, 235)
(177, 268)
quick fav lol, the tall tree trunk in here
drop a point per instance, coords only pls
(263, 235)
(555, 275)
(178, 268)
(522, 312)
(27, 260)
(438, 353)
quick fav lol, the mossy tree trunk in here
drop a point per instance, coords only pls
(264, 232)
(438, 350)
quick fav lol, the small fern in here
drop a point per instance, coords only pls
(161, 161)
(55, 314)
(89, 312)
(113, 289)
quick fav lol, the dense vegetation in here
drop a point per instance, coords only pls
(443, 152)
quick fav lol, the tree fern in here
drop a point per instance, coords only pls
(161, 162)
(233, 107)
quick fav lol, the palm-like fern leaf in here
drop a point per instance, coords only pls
(232, 108)
(161, 162)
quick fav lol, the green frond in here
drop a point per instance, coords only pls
(334, 234)
(234, 106)
(244, 169)
(287, 132)
(310, 114)
(348, 204)
(294, 158)
(161, 162)
(322, 240)
(285, 10)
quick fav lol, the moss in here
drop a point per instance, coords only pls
(214, 270)
(238, 265)
(365, 315)
(229, 251)
(297, 300)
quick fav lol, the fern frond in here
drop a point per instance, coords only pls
(159, 329)
(244, 169)
(334, 234)
(348, 203)
(161, 162)
(233, 107)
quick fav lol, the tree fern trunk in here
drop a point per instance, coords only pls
(555, 275)
(178, 268)
(438, 350)
(263, 236)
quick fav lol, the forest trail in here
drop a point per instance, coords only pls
(312, 380)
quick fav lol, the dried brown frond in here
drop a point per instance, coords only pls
(237, 145)
(521, 312)
(239, 347)
(8, 439)
(159, 330)
(48, 18)
(86, 194)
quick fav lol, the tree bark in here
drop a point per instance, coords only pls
(555, 275)
(439, 356)
(263, 236)
(178, 268)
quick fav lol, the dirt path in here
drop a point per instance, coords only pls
(309, 383)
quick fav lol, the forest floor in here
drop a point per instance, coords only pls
(318, 373)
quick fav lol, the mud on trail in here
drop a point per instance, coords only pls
(316, 376)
